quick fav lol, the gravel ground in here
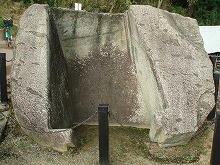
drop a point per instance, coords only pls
(128, 146)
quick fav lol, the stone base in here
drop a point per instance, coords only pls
(59, 139)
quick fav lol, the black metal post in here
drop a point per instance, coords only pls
(215, 158)
(213, 59)
(3, 81)
(103, 114)
(211, 115)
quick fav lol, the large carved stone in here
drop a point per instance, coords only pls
(172, 47)
(147, 64)
(38, 85)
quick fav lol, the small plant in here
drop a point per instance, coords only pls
(189, 159)
(71, 150)
(25, 143)
(22, 145)
(28, 2)
(81, 142)
(202, 150)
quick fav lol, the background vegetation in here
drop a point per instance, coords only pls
(207, 12)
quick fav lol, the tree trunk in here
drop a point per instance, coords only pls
(159, 3)
(112, 6)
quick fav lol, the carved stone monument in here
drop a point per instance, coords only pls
(149, 65)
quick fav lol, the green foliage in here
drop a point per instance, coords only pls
(14, 30)
(191, 2)
(178, 9)
(116, 6)
(71, 150)
(123, 5)
(27, 2)
(107, 6)
(207, 12)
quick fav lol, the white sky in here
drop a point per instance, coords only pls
(211, 38)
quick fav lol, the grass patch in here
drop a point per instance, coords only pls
(127, 141)
(182, 154)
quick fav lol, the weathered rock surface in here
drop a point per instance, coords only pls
(99, 65)
(147, 64)
(3, 121)
(4, 113)
(33, 79)
(172, 47)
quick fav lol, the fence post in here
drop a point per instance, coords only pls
(3, 81)
(103, 114)
(215, 158)
(211, 115)
(213, 60)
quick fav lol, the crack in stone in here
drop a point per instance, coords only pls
(30, 90)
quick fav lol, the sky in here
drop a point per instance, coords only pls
(211, 38)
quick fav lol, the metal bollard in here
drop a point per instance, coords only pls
(215, 158)
(216, 77)
(103, 114)
(3, 81)
(213, 60)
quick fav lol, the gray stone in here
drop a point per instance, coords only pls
(172, 47)
(33, 93)
(99, 65)
(149, 65)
